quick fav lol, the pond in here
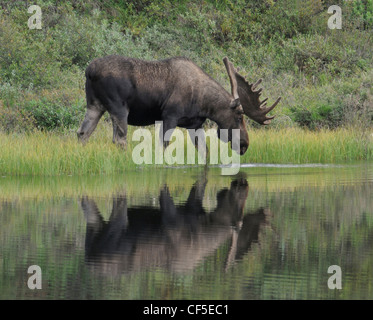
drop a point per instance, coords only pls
(270, 232)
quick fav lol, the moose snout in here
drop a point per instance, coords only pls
(243, 147)
(80, 134)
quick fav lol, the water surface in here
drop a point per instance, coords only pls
(271, 232)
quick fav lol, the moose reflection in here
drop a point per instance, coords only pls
(173, 237)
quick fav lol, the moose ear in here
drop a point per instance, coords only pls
(235, 103)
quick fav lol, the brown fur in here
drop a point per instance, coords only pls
(175, 91)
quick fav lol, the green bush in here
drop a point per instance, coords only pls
(50, 115)
(323, 116)
(15, 120)
(324, 76)
(363, 11)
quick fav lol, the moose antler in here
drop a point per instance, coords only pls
(251, 104)
(232, 78)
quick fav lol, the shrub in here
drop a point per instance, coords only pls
(323, 116)
(324, 75)
(50, 115)
(15, 120)
(362, 10)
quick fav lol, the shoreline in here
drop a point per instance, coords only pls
(51, 154)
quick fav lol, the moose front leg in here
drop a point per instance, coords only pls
(166, 131)
(198, 138)
(115, 129)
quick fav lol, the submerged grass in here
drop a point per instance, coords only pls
(140, 183)
(46, 154)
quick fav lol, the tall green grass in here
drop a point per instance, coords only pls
(42, 153)
(47, 154)
(295, 145)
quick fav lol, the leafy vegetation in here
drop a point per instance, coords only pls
(325, 76)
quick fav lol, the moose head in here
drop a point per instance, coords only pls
(246, 101)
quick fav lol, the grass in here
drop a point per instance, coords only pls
(294, 145)
(41, 153)
(45, 154)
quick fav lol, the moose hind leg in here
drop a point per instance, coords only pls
(91, 118)
(120, 125)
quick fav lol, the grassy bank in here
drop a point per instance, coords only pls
(323, 75)
(40, 153)
(294, 145)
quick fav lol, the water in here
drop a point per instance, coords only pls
(271, 232)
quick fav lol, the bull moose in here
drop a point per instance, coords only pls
(175, 91)
(176, 237)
